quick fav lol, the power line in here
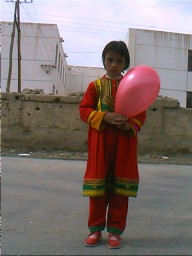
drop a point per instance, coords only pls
(84, 52)
(100, 20)
(120, 25)
(24, 1)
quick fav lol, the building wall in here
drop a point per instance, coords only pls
(78, 78)
(167, 53)
(48, 122)
(38, 47)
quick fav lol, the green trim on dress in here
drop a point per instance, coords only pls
(120, 186)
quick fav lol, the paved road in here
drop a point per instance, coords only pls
(44, 213)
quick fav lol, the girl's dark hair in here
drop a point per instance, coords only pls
(121, 48)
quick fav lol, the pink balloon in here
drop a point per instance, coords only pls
(137, 91)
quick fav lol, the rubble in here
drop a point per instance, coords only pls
(181, 159)
(30, 91)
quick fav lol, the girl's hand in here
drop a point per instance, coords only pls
(124, 126)
(115, 119)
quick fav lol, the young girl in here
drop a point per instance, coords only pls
(111, 175)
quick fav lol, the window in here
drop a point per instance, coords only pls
(56, 55)
(59, 63)
(61, 69)
(189, 60)
(63, 75)
(189, 100)
(53, 89)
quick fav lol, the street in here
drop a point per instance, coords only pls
(44, 213)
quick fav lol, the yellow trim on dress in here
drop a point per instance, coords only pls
(95, 120)
(90, 116)
(123, 192)
(136, 121)
(93, 193)
(133, 130)
(99, 102)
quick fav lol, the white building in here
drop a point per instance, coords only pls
(44, 66)
(170, 54)
(78, 78)
(43, 61)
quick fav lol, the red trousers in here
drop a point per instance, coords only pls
(108, 211)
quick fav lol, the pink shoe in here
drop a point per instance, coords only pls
(93, 239)
(114, 241)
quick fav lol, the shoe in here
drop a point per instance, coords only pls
(93, 239)
(114, 241)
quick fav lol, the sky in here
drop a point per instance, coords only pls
(88, 25)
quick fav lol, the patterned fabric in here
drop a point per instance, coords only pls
(112, 153)
(120, 186)
(106, 90)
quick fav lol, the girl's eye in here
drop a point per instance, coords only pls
(119, 61)
(110, 60)
(114, 60)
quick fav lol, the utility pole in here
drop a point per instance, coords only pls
(11, 53)
(17, 24)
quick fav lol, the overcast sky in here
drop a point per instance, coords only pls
(87, 25)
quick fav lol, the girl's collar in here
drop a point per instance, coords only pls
(111, 78)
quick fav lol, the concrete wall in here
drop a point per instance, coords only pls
(47, 122)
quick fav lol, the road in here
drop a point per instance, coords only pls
(44, 213)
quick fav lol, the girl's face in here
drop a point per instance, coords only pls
(114, 64)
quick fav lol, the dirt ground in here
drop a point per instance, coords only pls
(182, 159)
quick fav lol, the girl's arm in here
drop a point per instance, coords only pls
(88, 108)
(137, 122)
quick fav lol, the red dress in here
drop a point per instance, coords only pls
(112, 153)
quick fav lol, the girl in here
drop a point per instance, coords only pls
(111, 176)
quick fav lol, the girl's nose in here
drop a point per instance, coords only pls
(114, 63)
